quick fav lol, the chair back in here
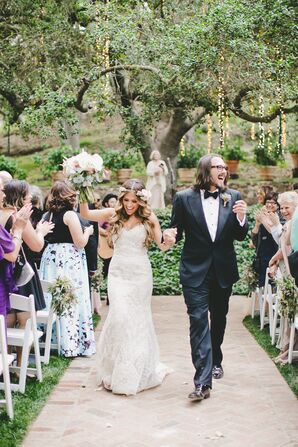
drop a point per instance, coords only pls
(3, 345)
(45, 285)
(25, 303)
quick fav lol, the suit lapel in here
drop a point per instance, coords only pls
(196, 208)
(223, 214)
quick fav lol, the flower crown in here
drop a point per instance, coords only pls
(144, 194)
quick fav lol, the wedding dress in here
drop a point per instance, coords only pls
(128, 352)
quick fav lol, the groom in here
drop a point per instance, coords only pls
(212, 217)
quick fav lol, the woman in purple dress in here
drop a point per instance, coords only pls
(10, 244)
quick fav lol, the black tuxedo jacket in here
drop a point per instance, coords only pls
(199, 251)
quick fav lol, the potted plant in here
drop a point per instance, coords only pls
(121, 162)
(232, 156)
(187, 163)
(293, 150)
(51, 165)
(267, 159)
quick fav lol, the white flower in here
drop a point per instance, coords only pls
(144, 195)
(225, 197)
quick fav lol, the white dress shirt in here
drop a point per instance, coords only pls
(211, 209)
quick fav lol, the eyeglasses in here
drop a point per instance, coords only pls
(220, 168)
(270, 202)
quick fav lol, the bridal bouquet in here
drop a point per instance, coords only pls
(63, 295)
(83, 172)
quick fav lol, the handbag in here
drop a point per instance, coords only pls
(23, 272)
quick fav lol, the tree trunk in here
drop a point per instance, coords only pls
(72, 134)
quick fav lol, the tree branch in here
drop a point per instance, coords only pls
(236, 108)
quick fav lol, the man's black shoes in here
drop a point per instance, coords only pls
(201, 392)
(217, 372)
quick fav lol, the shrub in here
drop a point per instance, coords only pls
(53, 161)
(115, 160)
(11, 166)
(190, 158)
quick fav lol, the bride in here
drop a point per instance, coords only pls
(128, 352)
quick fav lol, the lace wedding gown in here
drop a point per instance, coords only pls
(128, 353)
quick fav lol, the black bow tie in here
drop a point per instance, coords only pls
(210, 194)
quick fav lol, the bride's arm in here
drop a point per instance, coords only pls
(96, 215)
(163, 246)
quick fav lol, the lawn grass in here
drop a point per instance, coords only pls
(27, 406)
(288, 371)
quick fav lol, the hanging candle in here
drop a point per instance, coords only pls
(209, 133)
(227, 133)
(283, 130)
(269, 140)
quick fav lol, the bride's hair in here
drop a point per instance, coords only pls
(142, 213)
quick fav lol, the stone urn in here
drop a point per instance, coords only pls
(187, 175)
(58, 176)
(268, 173)
(123, 175)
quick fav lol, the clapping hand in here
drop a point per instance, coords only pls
(240, 208)
(44, 227)
(169, 236)
(20, 219)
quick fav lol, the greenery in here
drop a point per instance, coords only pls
(232, 152)
(288, 371)
(292, 148)
(53, 160)
(115, 160)
(264, 156)
(11, 166)
(28, 405)
(288, 297)
(189, 157)
(63, 295)
(166, 62)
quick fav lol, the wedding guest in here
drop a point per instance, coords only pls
(10, 244)
(261, 193)
(5, 177)
(106, 252)
(156, 180)
(262, 238)
(17, 195)
(65, 256)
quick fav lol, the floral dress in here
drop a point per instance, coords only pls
(62, 258)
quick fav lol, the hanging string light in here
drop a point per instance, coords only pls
(253, 127)
(261, 125)
(102, 50)
(182, 147)
(283, 130)
(227, 133)
(209, 133)
(221, 113)
(270, 140)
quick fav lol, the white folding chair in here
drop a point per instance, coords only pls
(5, 361)
(263, 299)
(254, 296)
(25, 338)
(48, 318)
(294, 327)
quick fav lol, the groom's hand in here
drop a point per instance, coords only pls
(169, 236)
(240, 209)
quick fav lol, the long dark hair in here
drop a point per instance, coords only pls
(143, 212)
(62, 196)
(15, 193)
(203, 178)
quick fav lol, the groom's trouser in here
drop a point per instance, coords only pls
(205, 343)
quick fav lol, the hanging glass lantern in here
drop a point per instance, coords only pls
(221, 113)
(253, 127)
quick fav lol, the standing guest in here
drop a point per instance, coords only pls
(156, 181)
(10, 244)
(212, 217)
(106, 252)
(262, 238)
(5, 177)
(261, 193)
(65, 256)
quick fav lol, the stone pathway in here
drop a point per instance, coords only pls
(251, 406)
